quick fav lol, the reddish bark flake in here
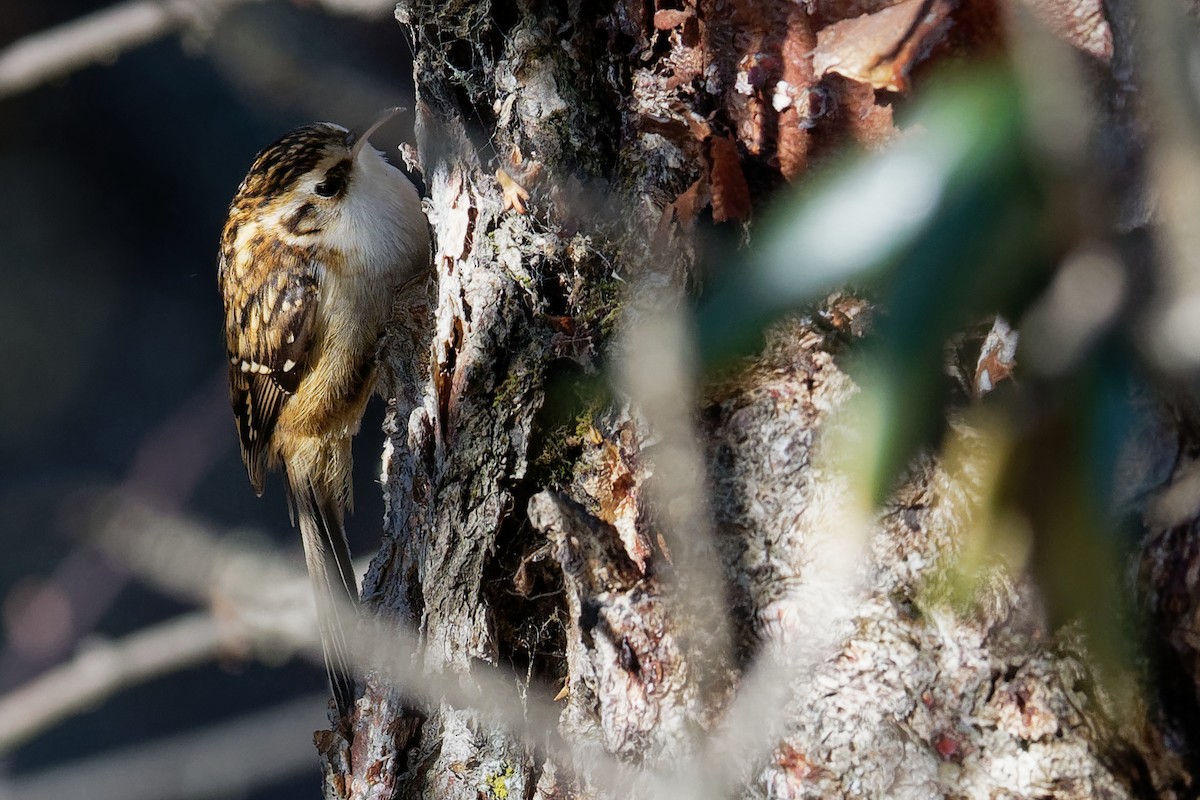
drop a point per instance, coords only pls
(376, 772)
(682, 126)
(666, 19)
(997, 357)
(870, 123)
(690, 201)
(698, 126)
(793, 140)
(618, 496)
(792, 761)
(756, 31)
(793, 146)
(881, 48)
(562, 324)
(681, 213)
(730, 193)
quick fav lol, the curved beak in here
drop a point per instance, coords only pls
(360, 139)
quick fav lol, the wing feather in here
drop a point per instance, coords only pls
(268, 357)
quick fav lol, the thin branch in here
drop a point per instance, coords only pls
(101, 37)
(226, 760)
(274, 618)
(658, 371)
(97, 38)
(103, 669)
(90, 584)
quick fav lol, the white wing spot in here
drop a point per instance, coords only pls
(287, 365)
(291, 339)
(245, 366)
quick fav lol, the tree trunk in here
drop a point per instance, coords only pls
(542, 526)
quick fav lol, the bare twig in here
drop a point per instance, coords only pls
(815, 616)
(277, 616)
(658, 372)
(97, 38)
(103, 669)
(813, 628)
(90, 584)
(272, 616)
(101, 37)
(226, 760)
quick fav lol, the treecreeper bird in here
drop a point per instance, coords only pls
(321, 233)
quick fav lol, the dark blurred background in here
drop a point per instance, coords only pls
(114, 183)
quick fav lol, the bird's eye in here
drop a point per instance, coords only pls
(328, 187)
(335, 180)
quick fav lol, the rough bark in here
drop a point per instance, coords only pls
(568, 152)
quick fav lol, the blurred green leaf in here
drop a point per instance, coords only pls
(1063, 479)
(949, 224)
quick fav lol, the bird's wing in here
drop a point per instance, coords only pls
(269, 336)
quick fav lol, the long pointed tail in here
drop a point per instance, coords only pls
(327, 555)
